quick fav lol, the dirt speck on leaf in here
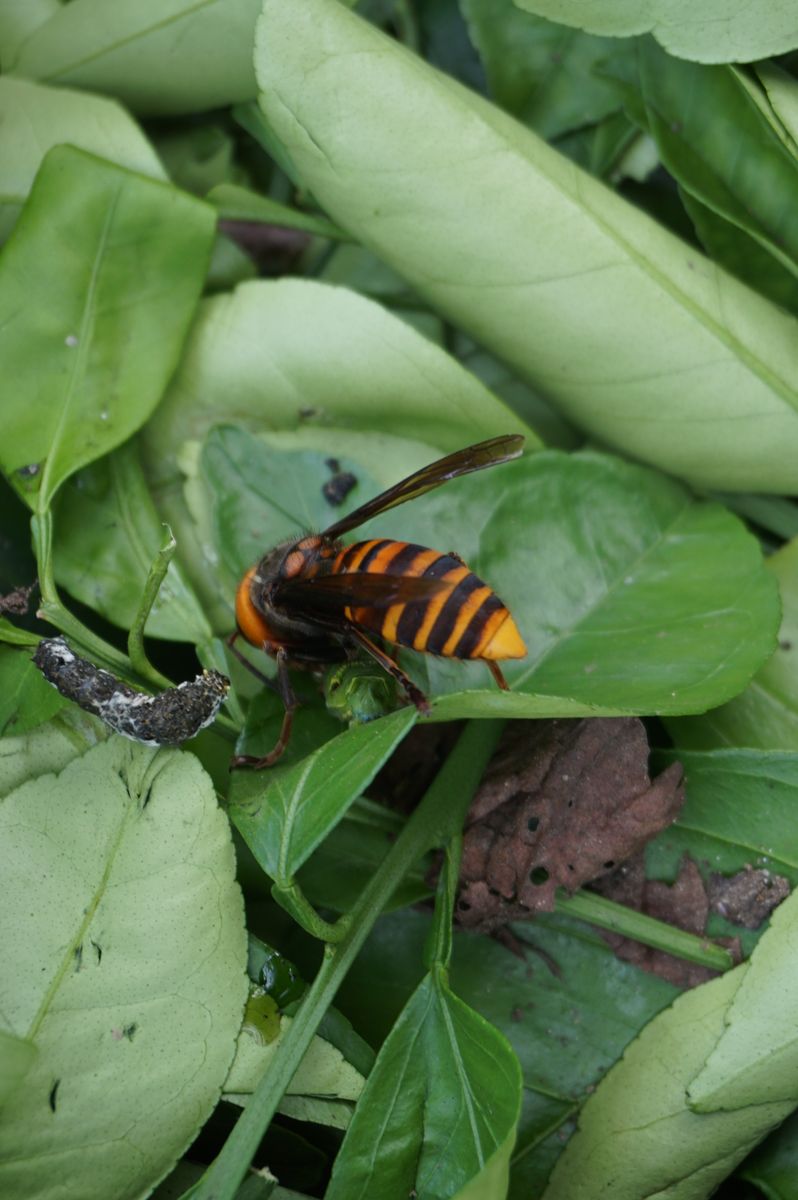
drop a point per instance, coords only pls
(748, 897)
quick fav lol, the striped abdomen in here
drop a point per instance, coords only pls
(466, 620)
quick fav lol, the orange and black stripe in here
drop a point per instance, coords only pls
(467, 619)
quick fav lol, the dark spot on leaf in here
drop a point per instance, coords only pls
(785, 644)
(98, 950)
(305, 414)
(30, 471)
(129, 1031)
(78, 952)
(53, 1094)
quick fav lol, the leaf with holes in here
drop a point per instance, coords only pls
(127, 973)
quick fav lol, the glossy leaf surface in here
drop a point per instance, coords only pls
(285, 813)
(111, 265)
(765, 714)
(440, 1103)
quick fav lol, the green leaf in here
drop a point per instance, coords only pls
(631, 596)
(741, 810)
(755, 1057)
(48, 747)
(249, 359)
(33, 118)
(713, 32)
(17, 21)
(127, 973)
(765, 714)
(236, 203)
(782, 96)
(723, 149)
(340, 868)
(16, 1058)
(291, 810)
(147, 53)
(110, 266)
(631, 332)
(26, 699)
(323, 1073)
(773, 1167)
(567, 1006)
(636, 1136)
(540, 72)
(109, 533)
(439, 1107)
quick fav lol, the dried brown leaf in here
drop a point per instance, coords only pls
(563, 803)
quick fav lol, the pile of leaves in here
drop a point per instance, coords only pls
(261, 260)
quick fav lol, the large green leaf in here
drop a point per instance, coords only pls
(723, 149)
(34, 117)
(711, 32)
(765, 714)
(298, 355)
(639, 340)
(147, 53)
(440, 1104)
(109, 533)
(285, 814)
(127, 973)
(98, 284)
(631, 596)
(636, 1136)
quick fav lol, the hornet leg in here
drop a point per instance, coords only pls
(414, 694)
(495, 671)
(291, 704)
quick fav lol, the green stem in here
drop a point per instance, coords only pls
(291, 897)
(444, 804)
(135, 639)
(52, 610)
(588, 906)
